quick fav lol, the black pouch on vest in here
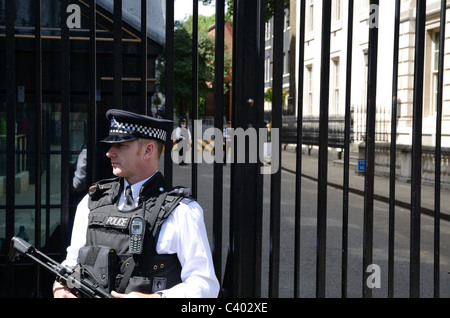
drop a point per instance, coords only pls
(100, 265)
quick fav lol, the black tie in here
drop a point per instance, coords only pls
(129, 202)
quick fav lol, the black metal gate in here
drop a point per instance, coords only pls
(45, 113)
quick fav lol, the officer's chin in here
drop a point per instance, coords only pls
(117, 171)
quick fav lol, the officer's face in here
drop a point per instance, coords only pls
(126, 159)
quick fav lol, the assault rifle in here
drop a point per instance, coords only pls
(72, 278)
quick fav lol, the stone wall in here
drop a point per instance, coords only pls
(403, 163)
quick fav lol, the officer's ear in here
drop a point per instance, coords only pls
(146, 148)
(149, 150)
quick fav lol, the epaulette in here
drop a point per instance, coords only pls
(100, 187)
(180, 191)
(183, 192)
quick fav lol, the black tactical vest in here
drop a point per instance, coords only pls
(109, 227)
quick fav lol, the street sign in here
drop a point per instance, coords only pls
(361, 165)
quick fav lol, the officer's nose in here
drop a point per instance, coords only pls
(110, 153)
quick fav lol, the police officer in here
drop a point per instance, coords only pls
(182, 132)
(227, 135)
(169, 256)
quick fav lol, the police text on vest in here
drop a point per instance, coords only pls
(117, 222)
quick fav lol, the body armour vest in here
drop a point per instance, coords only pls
(109, 227)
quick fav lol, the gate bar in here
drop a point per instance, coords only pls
(345, 198)
(275, 189)
(243, 268)
(393, 151)
(416, 164)
(298, 169)
(118, 48)
(219, 63)
(92, 123)
(370, 153)
(194, 111)
(168, 167)
(10, 140)
(65, 121)
(323, 151)
(260, 45)
(143, 67)
(38, 132)
(437, 161)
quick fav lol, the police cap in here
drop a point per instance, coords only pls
(127, 126)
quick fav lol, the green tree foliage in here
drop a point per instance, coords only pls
(183, 64)
(270, 6)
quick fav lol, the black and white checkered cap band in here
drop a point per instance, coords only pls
(137, 130)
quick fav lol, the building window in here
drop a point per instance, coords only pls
(365, 4)
(270, 70)
(434, 71)
(267, 70)
(336, 11)
(365, 77)
(268, 30)
(335, 85)
(431, 73)
(310, 16)
(286, 63)
(286, 20)
(309, 90)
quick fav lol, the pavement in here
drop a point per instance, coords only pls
(356, 182)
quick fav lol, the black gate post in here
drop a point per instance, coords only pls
(416, 159)
(323, 152)
(168, 168)
(370, 150)
(243, 270)
(10, 140)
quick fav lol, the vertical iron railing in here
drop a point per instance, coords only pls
(143, 59)
(298, 155)
(437, 160)
(370, 153)
(275, 181)
(322, 183)
(219, 62)
(65, 119)
(259, 118)
(38, 132)
(169, 51)
(242, 276)
(92, 152)
(118, 48)
(393, 151)
(346, 171)
(10, 135)
(194, 110)
(416, 162)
